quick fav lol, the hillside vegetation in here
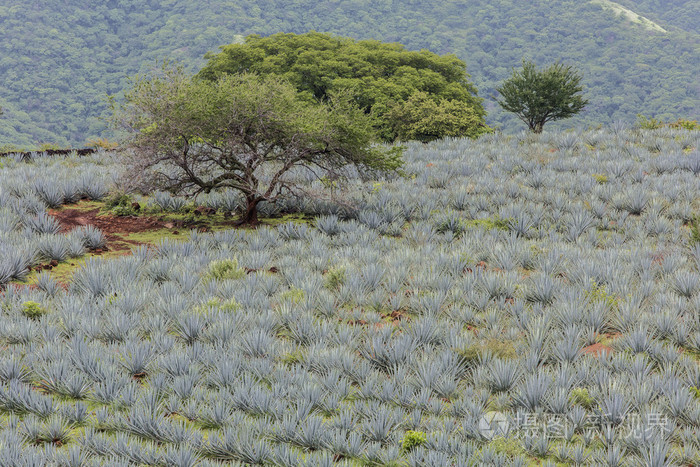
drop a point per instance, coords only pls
(58, 61)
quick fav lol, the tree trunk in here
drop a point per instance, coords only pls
(250, 216)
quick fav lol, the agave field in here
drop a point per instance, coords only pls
(513, 300)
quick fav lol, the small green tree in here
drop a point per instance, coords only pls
(540, 96)
(243, 132)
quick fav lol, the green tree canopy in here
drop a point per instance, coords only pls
(539, 96)
(244, 132)
(424, 118)
(379, 76)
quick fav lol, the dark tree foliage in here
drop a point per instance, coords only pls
(541, 96)
(379, 76)
(242, 132)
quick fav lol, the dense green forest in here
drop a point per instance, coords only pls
(59, 60)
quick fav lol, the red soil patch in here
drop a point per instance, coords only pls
(111, 226)
(597, 349)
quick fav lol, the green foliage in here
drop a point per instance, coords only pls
(509, 446)
(412, 95)
(33, 310)
(413, 439)
(504, 349)
(695, 392)
(646, 123)
(458, 226)
(211, 135)
(117, 199)
(598, 293)
(580, 396)
(293, 358)
(120, 204)
(9, 148)
(229, 306)
(224, 269)
(690, 125)
(601, 178)
(452, 223)
(488, 223)
(124, 211)
(694, 230)
(293, 295)
(50, 147)
(101, 143)
(540, 96)
(335, 277)
(423, 118)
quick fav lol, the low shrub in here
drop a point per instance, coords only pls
(413, 439)
(580, 396)
(33, 310)
(224, 269)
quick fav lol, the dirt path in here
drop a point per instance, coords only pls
(114, 228)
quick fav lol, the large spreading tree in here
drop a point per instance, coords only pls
(540, 96)
(382, 78)
(243, 132)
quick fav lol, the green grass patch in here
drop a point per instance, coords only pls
(230, 305)
(508, 446)
(334, 278)
(151, 237)
(60, 273)
(293, 295)
(83, 205)
(504, 349)
(292, 358)
(488, 223)
(298, 218)
(224, 269)
(65, 269)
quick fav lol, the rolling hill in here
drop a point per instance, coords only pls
(59, 60)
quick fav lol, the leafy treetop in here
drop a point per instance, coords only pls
(380, 76)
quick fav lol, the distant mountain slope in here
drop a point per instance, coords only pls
(682, 14)
(630, 15)
(58, 60)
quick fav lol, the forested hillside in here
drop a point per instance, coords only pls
(59, 60)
